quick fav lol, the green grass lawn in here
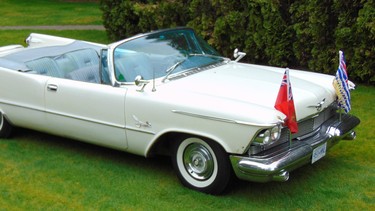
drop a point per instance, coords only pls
(40, 171)
(9, 37)
(48, 12)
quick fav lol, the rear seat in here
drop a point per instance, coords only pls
(80, 65)
(45, 66)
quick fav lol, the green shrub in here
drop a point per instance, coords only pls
(363, 60)
(303, 34)
(126, 18)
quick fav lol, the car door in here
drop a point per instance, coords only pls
(90, 112)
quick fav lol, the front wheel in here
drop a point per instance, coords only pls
(5, 127)
(202, 165)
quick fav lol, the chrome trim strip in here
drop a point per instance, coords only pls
(22, 106)
(65, 115)
(223, 119)
(86, 120)
(139, 130)
(195, 70)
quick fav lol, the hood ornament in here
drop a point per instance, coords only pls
(318, 106)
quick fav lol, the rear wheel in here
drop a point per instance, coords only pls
(5, 127)
(202, 165)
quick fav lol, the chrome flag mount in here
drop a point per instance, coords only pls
(341, 84)
(285, 104)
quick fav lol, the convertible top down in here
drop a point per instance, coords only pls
(169, 92)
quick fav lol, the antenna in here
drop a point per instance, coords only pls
(153, 81)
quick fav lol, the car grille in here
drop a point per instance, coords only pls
(306, 128)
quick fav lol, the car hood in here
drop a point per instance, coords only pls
(251, 90)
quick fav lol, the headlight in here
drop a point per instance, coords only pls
(275, 133)
(268, 136)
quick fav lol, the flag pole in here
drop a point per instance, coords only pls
(340, 109)
(285, 104)
(288, 88)
(288, 94)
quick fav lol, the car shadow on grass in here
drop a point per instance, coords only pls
(62, 147)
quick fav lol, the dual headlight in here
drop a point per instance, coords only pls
(268, 135)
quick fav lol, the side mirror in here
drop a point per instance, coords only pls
(140, 82)
(235, 53)
(238, 55)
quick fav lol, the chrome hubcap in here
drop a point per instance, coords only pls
(198, 161)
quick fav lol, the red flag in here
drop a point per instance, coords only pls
(285, 104)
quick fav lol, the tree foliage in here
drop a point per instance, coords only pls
(303, 34)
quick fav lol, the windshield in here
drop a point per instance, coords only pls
(162, 53)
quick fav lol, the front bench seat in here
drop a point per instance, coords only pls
(86, 74)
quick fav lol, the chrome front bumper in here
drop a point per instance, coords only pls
(276, 163)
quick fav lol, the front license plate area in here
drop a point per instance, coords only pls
(319, 152)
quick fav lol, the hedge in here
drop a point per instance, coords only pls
(304, 34)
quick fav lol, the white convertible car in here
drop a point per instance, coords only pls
(168, 92)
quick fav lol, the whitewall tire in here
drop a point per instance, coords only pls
(202, 164)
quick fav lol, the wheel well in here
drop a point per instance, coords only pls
(163, 144)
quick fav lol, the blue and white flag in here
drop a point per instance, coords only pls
(340, 83)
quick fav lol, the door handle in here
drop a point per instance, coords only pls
(52, 87)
